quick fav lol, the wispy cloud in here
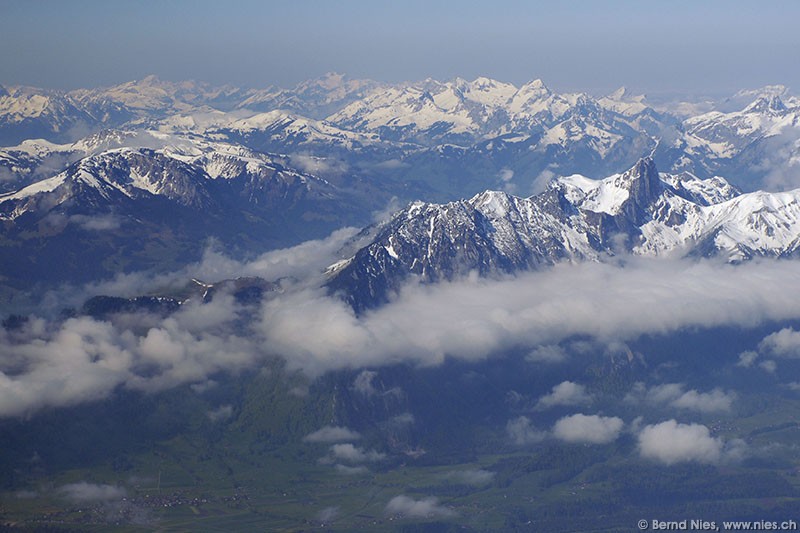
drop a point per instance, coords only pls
(471, 477)
(221, 413)
(424, 508)
(352, 454)
(84, 492)
(522, 432)
(331, 434)
(675, 395)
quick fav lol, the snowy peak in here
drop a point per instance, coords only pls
(535, 89)
(705, 192)
(576, 219)
(316, 98)
(623, 102)
(643, 182)
(770, 105)
(631, 193)
(619, 95)
(184, 171)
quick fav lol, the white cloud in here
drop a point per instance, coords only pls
(779, 160)
(62, 363)
(83, 360)
(80, 359)
(675, 395)
(319, 166)
(330, 434)
(670, 442)
(363, 383)
(328, 514)
(705, 402)
(221, 413)
(351, 470)
(522, 432)
(353, 454)
(747, 358)
(84, 492)
(505, 174)
(592, 429)
(549, 353)
(304, 261)
(403, 419)
(424, 508)
(96, 223)
(769, 366)
(541, 181)
(565, 393)
(474, 318)
(784, 343)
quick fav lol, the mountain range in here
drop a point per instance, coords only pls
(143, 174)
(640, 211)
(331, 305)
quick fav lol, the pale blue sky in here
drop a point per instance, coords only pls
(676, 45)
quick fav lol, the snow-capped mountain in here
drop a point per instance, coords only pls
(37, 159)
(199, 160)
(315, 98)
(640, 211)
(29, 113)
(280, 130)
(135, 207)
(529, 130)
(183, 170)
(464, 112)
(760, 143)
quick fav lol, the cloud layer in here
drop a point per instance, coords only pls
(57, 363)
(473, 318)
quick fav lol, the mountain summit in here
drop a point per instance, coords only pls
(640, 211)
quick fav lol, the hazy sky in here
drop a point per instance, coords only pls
(674, 45)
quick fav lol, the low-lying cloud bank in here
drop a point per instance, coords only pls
(473, 318)
(58, 363)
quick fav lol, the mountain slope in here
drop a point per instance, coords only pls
(575, 219)
(142, 208)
